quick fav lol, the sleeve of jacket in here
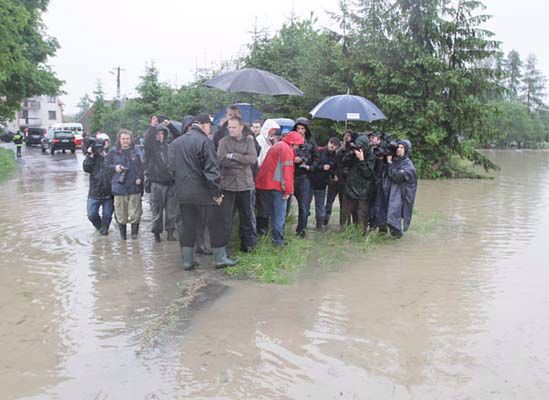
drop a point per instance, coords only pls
(109, 161)
(222, 155)
(210, 167)
(88, 164)
(140, 171)
(364, 169)
(287, 160)
(250, 157)
(315, 156)
(397, 175)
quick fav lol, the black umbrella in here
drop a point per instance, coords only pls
(346, 107)
(252, 80)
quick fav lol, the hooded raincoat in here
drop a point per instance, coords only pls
(263, 139)
(402, 187)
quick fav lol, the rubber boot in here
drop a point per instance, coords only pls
(319, 224)
(188, 258)
(157, 237)
(135, 231)
(221, 259)
(327, 219)
(123, 231)
(171, 237)
(97, 223)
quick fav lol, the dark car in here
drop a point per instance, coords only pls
(58, 140)
(33, 136)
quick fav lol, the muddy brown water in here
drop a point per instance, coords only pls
(457, 312)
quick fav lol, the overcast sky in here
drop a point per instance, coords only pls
(96, 36)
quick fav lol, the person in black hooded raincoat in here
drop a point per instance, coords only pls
(402, 186)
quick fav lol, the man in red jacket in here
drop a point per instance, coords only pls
(276, 177)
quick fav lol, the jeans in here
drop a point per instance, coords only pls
(278, 216)
(303, 194)
(104, 220)
(320, 204)
(333, 191)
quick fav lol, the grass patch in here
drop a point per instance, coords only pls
(281, 265)
(7, 163)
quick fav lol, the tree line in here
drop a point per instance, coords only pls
(439, 76)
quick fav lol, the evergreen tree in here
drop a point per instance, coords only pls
(514, 74)
(533, 84)
(99, 109)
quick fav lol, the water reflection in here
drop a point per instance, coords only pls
(458, 312)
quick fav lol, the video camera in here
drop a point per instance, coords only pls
(97, 145)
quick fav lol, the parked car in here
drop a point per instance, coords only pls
(34, 136)
(57, 139)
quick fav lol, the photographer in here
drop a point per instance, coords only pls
(324, 173)
(99, 193)
(359, 187)
(305, 160)
(124, 162)
(159, 183)
(402, 190)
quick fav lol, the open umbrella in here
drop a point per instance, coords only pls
(346, 107)
(254, 81)
(249, 114)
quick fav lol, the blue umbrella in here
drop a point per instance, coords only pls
(286, 124)
(249, 114)
(346, 107)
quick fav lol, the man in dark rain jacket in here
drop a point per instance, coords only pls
(193, 161)
(305, 161)
(99, 192)
(402, 190)
(359, 187)
(159, 180)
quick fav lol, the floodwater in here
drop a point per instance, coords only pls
(457, 312)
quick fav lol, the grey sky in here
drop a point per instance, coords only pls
(96, 36)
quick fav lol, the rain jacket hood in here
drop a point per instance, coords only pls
(305, 123)
(293, 138)
(263, 139)
(267, 126)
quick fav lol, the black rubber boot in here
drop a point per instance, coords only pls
(123, 231)
(319, 224)
(327, 219)
(97, 223)
(171, 237)
(221, 259)
(156, 237)
(135, 231)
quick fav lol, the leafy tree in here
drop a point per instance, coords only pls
(24, 50)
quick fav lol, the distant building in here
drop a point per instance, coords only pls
(38, 112)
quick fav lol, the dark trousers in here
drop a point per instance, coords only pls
(163, 207)
(263, 201)
(190, 216)
(19, 150)
(303, 194)
(243, 202)
(333, 191)
(93, 207)
(356, 207)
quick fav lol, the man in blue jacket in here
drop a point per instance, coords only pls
(124, 162)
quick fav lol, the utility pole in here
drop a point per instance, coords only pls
(116, 71)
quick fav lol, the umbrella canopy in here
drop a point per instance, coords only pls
(252, 80)
(346, 107)
(249, 114)
(286, 124)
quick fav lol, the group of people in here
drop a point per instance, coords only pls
(199, 179)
